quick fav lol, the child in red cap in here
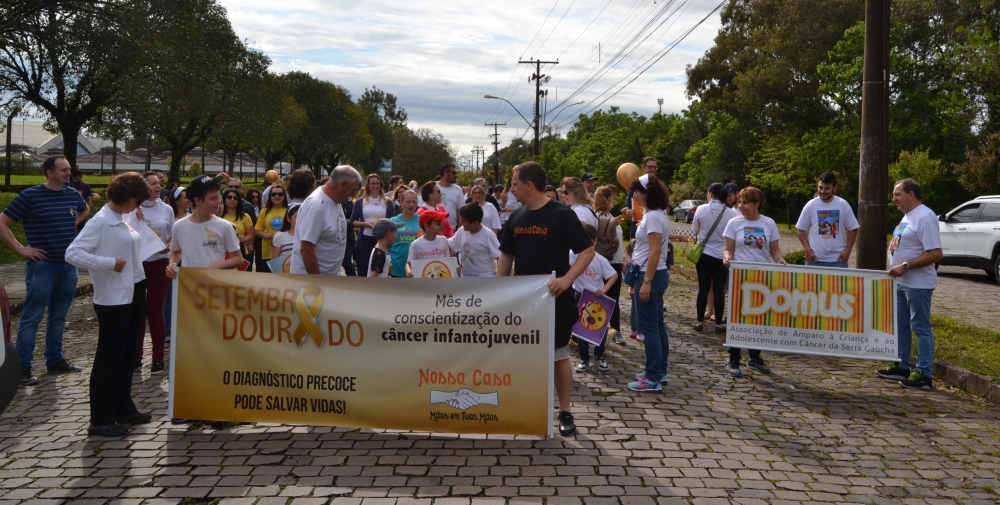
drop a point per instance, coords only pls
(431, 245)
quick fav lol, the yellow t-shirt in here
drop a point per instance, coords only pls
(241, 225)
(269, 221)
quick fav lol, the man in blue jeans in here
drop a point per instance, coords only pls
(50, 213)
(913, 250)
(827, 226)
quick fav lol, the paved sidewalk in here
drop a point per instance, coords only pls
(816, 431)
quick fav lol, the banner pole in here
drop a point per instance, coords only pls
(173, 344)
(552, 353)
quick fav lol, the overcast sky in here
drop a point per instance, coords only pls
(439, 58)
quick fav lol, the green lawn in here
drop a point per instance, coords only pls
(970, 347)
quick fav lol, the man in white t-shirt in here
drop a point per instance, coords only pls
(321, 228)
(827, 226)
(914, 249)
(452, 196)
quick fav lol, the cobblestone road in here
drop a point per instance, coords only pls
(964, 294)
(817, 430)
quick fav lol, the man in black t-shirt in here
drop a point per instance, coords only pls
(537, 241)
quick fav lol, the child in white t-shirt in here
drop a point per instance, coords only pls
(431, 245)
(599, 277)
(202, 239)
(477, 250)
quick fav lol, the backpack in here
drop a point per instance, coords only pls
(607, 235)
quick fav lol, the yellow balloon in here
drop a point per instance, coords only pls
(627, 173)
(272, 177)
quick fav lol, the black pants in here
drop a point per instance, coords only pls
(615, 294)
(736, 352)
(363, 253)
(348, 262)
(711, 273)
(111, 376)
(260, 262)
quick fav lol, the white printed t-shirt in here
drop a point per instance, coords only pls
(478, 251)
(423, 249)
(596, 274)
(202, 244)
(452, 198)
(653, 221)
(753, 238)
(491, 218)
(827, 225)
(916, 234)
(320, 222)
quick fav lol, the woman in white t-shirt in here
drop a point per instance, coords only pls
(281, 244)
(574, 193)
(371, 206)
(712, 275)
(159, 217)
(491, 218)
(650, 255)
(752, 238)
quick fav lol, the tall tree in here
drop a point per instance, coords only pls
(70, 59)
(337, 129)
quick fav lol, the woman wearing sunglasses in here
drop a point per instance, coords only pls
(233, 205)
(272, 216)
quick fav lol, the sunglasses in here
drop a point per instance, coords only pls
(232, 197)
(277, 194)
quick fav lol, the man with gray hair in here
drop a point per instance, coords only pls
(321, 228)
(914, 249)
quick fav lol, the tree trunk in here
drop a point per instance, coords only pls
(70, 133)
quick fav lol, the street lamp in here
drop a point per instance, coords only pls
(530, 124)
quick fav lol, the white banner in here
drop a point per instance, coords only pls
(824, 311)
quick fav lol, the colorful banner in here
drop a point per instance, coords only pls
(594, 316)
(449, 355)
(812, 310)
(442, 268)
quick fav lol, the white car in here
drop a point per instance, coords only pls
(970, 235)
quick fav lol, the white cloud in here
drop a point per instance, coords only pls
(440, 58)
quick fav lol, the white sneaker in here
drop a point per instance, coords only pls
(582, 367)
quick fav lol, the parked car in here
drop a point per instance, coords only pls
(10, 364)
(686, 210)
(970, 235)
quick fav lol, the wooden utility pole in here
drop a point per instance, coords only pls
(496, 151)
(538, 76)
(874, 170)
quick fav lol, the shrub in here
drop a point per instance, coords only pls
(796, 257)
(194, 170)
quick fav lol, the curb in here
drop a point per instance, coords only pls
(83, 289)
(983, 386)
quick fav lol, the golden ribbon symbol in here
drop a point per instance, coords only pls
(308, 313)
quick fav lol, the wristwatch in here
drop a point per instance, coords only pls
(906, 266)
(647, 280)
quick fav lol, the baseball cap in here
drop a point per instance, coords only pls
(432, 215)
(587, 176)
(198, 186)
(732, 187)
(384, 226)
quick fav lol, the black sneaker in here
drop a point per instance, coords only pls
(758, 365)
(62, 366)
(157, 368)
(894, 373)
(734, 369)
(566, 425)
(720, 329)
(917, 380)
(112, 430)
(26, 378)
(135, 418)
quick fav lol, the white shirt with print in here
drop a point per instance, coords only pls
(753, 238)
(916, 234)
(827, 225)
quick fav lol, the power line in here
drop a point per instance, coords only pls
(553, 30)
(584, 30)
(540, 28)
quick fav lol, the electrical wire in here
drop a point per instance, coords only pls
(553, 30)
(540, 28)
(584, 29)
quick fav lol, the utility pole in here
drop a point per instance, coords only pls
(496, 150)
(538, 76)
(874, 171)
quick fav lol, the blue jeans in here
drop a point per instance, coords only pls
(835, 264)
(649, 316)
(913, 315)
(49, 284)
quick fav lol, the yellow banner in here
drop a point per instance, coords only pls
(443, 355)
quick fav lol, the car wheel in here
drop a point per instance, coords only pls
(689, 218)
(995, 274)
(675, 217)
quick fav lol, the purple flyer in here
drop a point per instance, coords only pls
(594, 315)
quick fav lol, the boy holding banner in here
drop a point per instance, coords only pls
(599, 277)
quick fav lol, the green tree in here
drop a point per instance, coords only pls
(419, 154)
(980, 174)
(336, 128)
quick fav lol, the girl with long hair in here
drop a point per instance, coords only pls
(272, 216)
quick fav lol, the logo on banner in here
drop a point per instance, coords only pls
(308, 313)
(816, 301)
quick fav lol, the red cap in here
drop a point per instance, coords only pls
(432, 215)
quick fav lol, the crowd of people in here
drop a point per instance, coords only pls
(349, 224)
